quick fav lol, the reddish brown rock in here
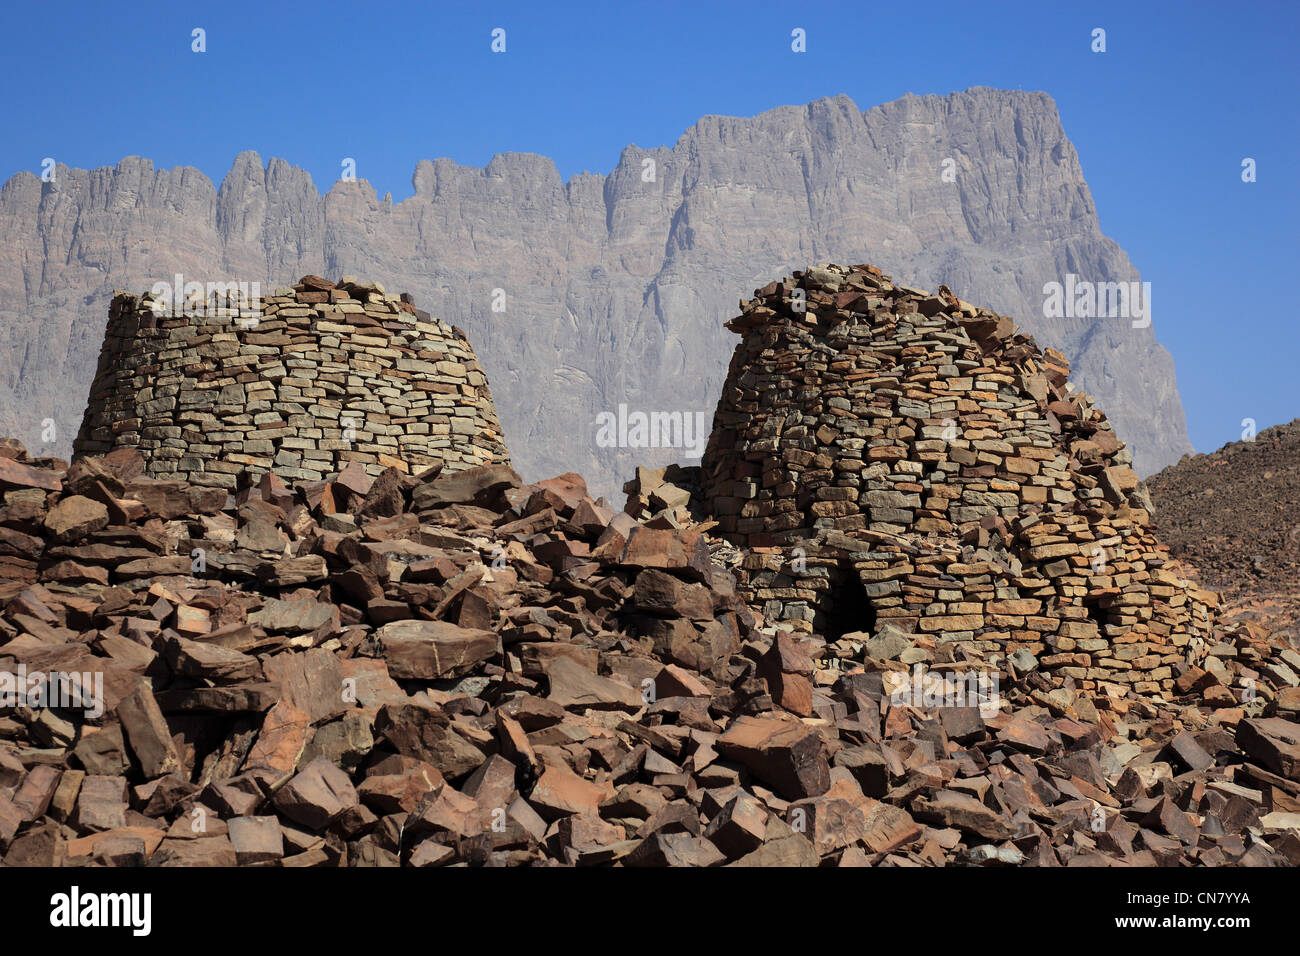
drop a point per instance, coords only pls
(147, 733)
(281, 740)
(785, 754)
(256, 840)
(1274, 742)
(560, 791)
(577, 688)
(963, 811)
(75, 517)
(429, 650)
(425, 733)
(316, 795)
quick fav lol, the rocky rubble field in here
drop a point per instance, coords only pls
(465, 670)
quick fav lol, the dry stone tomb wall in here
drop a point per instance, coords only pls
(897, 457)
(303, 383)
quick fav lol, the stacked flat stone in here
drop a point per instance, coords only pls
(930, 451)
(322, 375)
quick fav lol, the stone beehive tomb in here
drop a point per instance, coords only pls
(307, 381)
(899, 457)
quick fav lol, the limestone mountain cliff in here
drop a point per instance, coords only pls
(614, 287)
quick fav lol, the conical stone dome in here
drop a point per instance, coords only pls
(302, 383)
(896, 457)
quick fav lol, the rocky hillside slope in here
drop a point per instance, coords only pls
(614, 287)
(1235, 513)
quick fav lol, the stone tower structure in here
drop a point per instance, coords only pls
(899, 457)
(301, 383)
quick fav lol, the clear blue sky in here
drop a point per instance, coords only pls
(1162, 120)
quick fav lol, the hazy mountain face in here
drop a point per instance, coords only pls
(604, 291)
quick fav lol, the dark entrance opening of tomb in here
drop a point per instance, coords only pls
(847, 608)
(1096, 612)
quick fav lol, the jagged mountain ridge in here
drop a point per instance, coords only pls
(616, 288)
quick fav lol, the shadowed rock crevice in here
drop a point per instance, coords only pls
(847, 608)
